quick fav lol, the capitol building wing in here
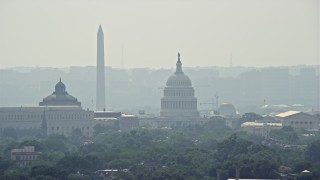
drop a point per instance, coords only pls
(179, 100)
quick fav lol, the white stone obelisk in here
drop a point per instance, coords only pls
(100, 96)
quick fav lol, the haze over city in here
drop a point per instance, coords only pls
(159, 89)
(144, 33)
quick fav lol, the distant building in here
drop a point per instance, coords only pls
(260, 129)
(59, 113)
(60, 97)
(106, 118)
(228, 110)
(110, 118)
(233, 123)
(128, 122)
(268, 119)
(299, 120)
(179, 100)
(178, 105)
(24, 156)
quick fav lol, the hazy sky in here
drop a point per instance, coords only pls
(62, 33)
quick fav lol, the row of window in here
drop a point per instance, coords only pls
(52, 128)
(20, 128)
(177, 123)
(300, 122)
(178, 105)
(68, 116)
(67, 128)
(40, 116)
(174, 93)
(26, 157)
(62, 133)
(179, 83)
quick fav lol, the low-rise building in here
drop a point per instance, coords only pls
(106, 118)
(260, 129)
(59, 113)
(299, 120)
(128, 122)
(233, 123)
(228, 110)
(24, 156)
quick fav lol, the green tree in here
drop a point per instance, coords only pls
(38, 145)
(51, 171)
(285, 134)
(75, 162)
(14, 174)
(255, 161)
(56, 143)
(312, 152)
(9, 132)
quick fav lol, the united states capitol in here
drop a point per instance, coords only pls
(62, 113)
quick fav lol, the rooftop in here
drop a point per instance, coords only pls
(288, 113)
(260, 124)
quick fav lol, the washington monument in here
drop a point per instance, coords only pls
(100, 96)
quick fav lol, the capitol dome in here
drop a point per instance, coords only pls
(60, 97)
(179, 100)
(178, 79)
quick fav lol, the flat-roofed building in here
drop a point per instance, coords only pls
(299, 120)
(24, 156)
(128, 122)
(59, 113)
(260, 129)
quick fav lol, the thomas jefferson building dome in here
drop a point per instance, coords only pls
(60, 97)
(179, 100)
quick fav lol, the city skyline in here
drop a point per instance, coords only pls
(140, 34)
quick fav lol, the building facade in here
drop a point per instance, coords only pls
(299, 120)
(260, 129)
(178, 96)
(59, 113)
(24, 156)
(178, 104)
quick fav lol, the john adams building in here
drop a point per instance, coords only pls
(179, 100)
